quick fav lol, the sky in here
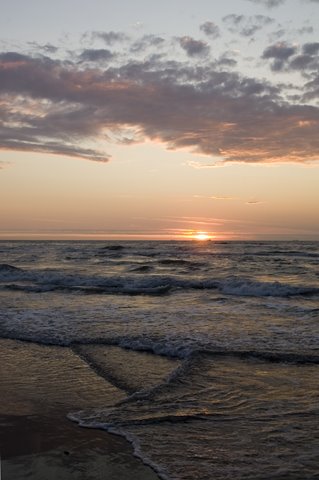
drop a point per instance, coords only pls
(159, 120)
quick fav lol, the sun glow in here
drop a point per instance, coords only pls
(201, 236)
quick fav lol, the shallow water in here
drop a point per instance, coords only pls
(39, 386)
(243, 318)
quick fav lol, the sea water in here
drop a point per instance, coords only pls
(241, 317)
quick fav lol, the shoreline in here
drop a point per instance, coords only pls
(36, 439)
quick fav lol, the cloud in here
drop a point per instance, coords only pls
(193, 48)
(234, 20)
(311, 48)
(147, 41)
(96, 55)
(279, 52)
(73, 108)
(226, 60)
(56, 148)
(312, 89)
(210, 29)
(3, 164)
(47, 48)
(199, 165)
(110, 37)
(288, 57)
(246, 26)
(305, 30)
(216, 197)
(303, 62)
(220, 197)
(270, 3)
(254, 202)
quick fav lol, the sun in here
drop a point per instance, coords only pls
(201, 236)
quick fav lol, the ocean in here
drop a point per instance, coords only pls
(231, 329)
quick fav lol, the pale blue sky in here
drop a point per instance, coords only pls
(45, 21)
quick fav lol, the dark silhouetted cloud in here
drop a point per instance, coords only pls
(302, 62)
(73, 108)
(110, 37)
(287, 57)
(311, 48)
(279, 52)
(192, 47)
(96, 55)
(312, 89)
(210, 29)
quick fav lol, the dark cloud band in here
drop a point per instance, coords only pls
(62, 106)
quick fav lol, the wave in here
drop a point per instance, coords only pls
(112, 247)
(186, 352)
(142, 269)
(54, 280)
(282, 253)
(92, 290)
(179, 262)
(6, 268)
(253, 288)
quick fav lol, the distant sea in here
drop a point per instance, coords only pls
(242, 318)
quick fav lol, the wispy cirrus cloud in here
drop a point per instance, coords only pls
(227, 198)
(277, 3)
(246, 25)
(269, 3)
(3, 164)
(215, 197)
(254, 202)
(76, 105)
(147, 42)
(210, 29)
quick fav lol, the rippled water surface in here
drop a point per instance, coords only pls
(239, 319)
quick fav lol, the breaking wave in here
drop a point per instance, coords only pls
(14, 278)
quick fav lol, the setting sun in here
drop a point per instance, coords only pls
(201, 236)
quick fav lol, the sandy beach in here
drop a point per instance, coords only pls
(39, 386)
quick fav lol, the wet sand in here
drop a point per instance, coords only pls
(40, 385)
